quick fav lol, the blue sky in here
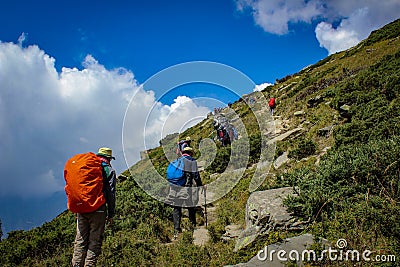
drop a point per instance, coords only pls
(148, 36)
(69, 71)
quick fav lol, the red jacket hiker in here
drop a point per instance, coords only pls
(272, 105)
(271, 102)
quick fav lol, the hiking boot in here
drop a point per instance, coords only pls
(176, 234)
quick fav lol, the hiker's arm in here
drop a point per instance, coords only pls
(196, 175)
(109, 191)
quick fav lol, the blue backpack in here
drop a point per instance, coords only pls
(175, 173)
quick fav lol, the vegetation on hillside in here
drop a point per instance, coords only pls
(351, 193)
(355, 192)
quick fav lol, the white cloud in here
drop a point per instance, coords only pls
(157, 121)
(261, 87)
(355, 19)
(183, 112)
(358, 19)
(335, 40)
(274, 15)
(22, 38)
(46, 117)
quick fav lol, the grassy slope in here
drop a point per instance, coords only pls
(362, 209)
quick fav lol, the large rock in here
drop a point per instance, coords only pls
(326, 131)
(312, 102)
(283, 136)
(200, 236)
(232, 231)
(345, 108)
(299, 113)
(265, 212)
(344, 111)
(282, 159)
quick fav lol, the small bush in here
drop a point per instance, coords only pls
(304, 149)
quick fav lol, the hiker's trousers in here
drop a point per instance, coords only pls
(177, 215)
(179, 197)
(89, 237)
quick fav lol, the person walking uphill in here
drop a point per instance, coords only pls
(183, 187)
(182, 144)
(272, 105)
(90, 188)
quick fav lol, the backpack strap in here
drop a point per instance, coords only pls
(105, 164)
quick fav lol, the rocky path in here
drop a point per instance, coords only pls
(200, 234)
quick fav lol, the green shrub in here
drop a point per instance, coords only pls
(305, 148)
(346, 173)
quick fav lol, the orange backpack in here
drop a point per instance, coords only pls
(83, 176)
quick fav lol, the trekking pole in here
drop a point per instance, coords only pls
(205, 204)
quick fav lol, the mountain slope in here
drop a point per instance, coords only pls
(351, 192)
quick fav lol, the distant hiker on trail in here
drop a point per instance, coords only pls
(90, 187)
(184, 179)
(223, 136)
(226, 132)
(182, 144)
(272, 105)
(252, 100)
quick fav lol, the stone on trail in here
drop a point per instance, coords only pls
(200, 236)
(265, 212)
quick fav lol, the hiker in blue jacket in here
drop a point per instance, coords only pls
(185, 195)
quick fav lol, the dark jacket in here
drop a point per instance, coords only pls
(191, 171)
(109, 183)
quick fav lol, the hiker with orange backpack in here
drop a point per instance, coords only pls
(90, 188)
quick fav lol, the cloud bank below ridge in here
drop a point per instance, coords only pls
(46, 117)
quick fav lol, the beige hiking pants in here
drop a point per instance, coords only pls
(89, 237)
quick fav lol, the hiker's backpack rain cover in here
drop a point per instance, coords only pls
(83, 176)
